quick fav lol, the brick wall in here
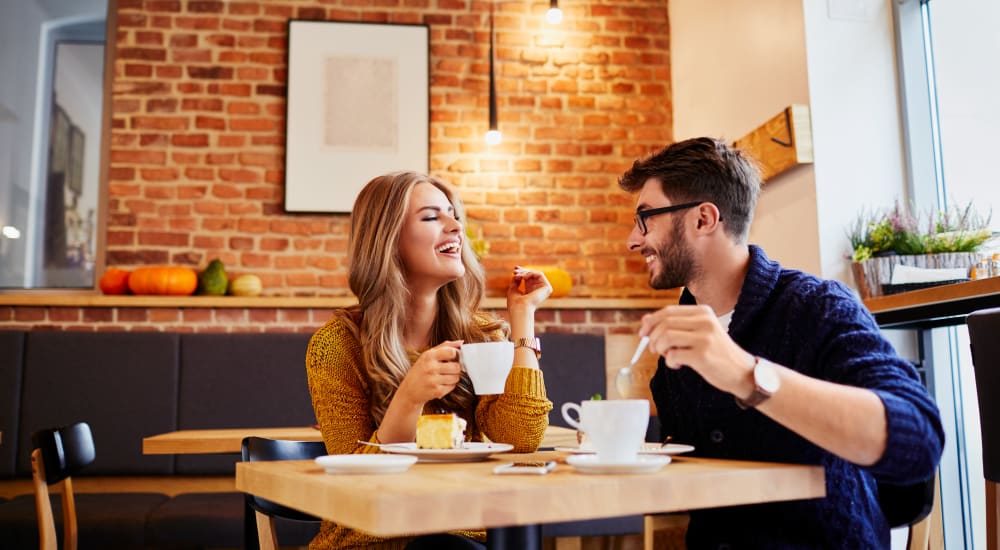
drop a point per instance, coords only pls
(197, 142)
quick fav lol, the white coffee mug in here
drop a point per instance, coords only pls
(488, 364)
(616, 427)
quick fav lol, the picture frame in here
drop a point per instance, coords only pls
(357, 107)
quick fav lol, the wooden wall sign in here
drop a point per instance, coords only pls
(782, 142)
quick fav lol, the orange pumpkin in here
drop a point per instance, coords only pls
(558, 277)
(165, 280)
(114, 281)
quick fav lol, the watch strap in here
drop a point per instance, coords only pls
(534, 344)
(759, 394)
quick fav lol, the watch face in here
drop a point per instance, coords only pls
(766, 376)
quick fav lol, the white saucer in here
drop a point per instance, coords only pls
(647, 449)
(366, 464)
(644, 464)
(470, 451)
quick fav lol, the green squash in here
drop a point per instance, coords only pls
(213, 281)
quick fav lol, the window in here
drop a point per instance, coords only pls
(949, 89)
(51, 132)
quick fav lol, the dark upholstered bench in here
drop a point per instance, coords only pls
(129, 386)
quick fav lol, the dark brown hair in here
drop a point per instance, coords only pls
(703, 169)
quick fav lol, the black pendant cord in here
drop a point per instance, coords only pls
(493, 87)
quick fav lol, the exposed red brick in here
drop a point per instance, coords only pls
(169, 71)
(144, 54)
(215, 72)
(197, 23)
(137, 70)
(164, 315)
(205, 7)
(575, 108)
(183, 40)
(189, 140)
(98, 315)
(163, 238)
(201, 104)
(132, 315)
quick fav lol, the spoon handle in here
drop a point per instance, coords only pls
(643, 342)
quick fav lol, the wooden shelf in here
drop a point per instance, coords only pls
(781, 143)
(943, 305)
(315, 302)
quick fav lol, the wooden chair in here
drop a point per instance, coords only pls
(913, 506)
(265, 511)
(58, 454)
(984, 339)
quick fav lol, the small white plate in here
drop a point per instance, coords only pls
(365, 464)
(588, 464)
(647, 449)
(470, 451)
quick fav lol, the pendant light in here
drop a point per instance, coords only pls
(493, 136)
(554, 15)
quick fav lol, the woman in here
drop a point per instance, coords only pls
(374, 368)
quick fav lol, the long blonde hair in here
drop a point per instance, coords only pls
(377, 279)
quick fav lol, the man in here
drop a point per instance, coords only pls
(759, 362)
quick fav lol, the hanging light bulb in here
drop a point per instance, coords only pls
(493, 136)
(554, 15)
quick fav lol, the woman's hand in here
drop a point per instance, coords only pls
(435, 373)
(536, 289)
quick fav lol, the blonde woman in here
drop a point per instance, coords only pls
(374, 368)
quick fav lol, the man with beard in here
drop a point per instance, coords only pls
(759, 362)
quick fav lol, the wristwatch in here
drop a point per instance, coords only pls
(766, 383)
(534, 344)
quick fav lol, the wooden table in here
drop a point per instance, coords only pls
(431, 498)
(229, 440)
(226, 440)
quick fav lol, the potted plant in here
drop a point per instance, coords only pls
(883, 239)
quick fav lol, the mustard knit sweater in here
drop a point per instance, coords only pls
(339, 385)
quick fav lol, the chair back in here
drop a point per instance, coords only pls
(984, 339)
(57, 454)
(65, 450)
(904, 505)
(261, 449)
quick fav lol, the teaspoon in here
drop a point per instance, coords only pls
(623, 382)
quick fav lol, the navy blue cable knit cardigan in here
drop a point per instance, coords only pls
(820, 329)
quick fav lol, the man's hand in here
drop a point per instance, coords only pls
(688, 335)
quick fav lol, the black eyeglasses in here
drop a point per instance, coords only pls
(641, 215)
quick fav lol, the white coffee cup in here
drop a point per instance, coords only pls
(616, 427)
(488, 364)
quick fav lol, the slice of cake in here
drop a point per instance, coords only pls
(440, 431)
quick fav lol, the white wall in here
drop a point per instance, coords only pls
(736, 64)
(857, 139)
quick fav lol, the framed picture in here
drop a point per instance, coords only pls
(357, 108)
